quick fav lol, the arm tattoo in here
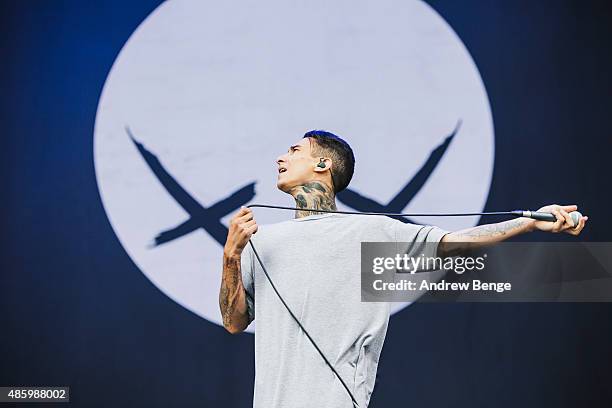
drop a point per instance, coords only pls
(492, 230)
(314, 195)
(231, 290)
(482, 235)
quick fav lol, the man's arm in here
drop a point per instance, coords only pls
(457, 242)
(232, 295)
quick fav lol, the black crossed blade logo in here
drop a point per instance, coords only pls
(209, 218)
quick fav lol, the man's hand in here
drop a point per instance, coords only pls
(564, 222)
(241, 227)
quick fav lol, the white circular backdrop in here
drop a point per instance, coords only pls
(217, 90)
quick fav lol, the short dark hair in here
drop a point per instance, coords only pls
(326, 144)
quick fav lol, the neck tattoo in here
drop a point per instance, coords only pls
(315, 195)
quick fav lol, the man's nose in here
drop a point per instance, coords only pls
(280, 160)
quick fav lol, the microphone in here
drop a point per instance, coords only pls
(544, 216)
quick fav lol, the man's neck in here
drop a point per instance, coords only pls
(315, 195)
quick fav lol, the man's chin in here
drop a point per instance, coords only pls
(283, 186)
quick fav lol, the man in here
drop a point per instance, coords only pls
(314, 261)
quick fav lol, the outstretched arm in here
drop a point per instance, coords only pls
(455, 243)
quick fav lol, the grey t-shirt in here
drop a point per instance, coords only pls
(315, 264)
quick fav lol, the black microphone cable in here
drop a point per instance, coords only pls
(278, 207)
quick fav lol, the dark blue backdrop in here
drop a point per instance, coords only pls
(66, 321)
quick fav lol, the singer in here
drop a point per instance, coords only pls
(314, 262)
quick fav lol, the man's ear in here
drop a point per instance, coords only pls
(323, 165)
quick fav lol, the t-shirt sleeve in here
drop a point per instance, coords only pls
(419, 239)
(247, 268)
